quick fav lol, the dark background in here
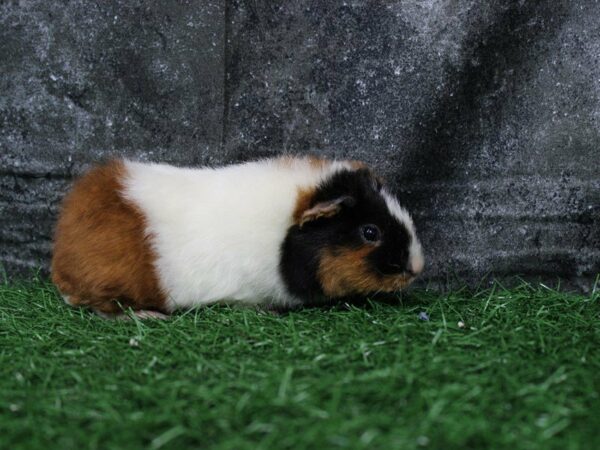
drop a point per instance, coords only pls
(484, 116)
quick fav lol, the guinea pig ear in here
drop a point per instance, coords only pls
(325, 209)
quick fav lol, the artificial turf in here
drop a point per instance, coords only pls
(523, 372)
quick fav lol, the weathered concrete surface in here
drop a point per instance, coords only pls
(83, 80)
(485, 117)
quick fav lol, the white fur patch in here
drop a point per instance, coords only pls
(217, 232)
(416, 259)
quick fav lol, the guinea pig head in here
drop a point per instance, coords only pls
(350, 237)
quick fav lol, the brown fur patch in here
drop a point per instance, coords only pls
(356, 165)
(303, 202)
(304, 199)
(102, 257)
(318, 163)
(345, 272)
(313, 161)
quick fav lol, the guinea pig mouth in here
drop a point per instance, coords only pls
(346, 272)
(397, 282)
(389, 284)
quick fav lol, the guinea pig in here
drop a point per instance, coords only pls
(281, 233)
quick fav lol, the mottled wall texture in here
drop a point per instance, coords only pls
(484, 116)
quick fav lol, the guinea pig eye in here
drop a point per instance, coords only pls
(370, 233)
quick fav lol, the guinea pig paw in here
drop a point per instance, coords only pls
(149, 314)
(140, 314)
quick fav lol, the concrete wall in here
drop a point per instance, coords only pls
(485, 116)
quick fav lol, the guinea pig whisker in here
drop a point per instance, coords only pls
(379, 272)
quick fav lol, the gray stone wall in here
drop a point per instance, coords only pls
(484, 116)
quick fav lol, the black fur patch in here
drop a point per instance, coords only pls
(302, 246)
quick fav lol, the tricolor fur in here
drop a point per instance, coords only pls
(281, 232)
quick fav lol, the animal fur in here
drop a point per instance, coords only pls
(155, 237)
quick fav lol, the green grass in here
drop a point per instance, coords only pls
(524, 372)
